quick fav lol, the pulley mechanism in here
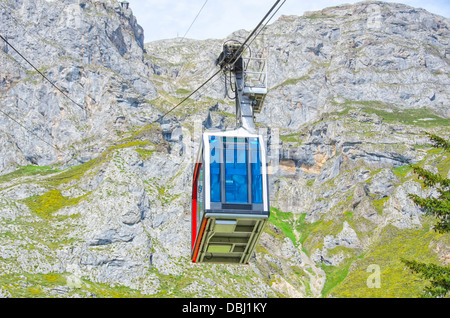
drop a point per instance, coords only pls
(249, 74)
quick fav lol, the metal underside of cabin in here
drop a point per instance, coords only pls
(228, 241)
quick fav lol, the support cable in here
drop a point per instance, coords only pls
(43, 75)
(186, 98)
(194, 20)
(234, 59)
(30, 131)
(237, 55)
(267, 23)
(240, 51)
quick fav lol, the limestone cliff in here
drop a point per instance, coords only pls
(97, 198)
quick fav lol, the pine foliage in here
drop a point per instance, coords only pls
(439, 277)
(439, 207)
(439, 142)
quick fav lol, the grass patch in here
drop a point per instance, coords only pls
(291, 81)
(312, 234)
(318, 15)
(28, 171)
(72, 173)
(418, 117)
(290, 137)
(145, 153)
(443, 162)
(379, 204)
(396, 280)
(421, 117)
(285, 221)
(77, 172)
(336, 275)
(28, 285)
(401, 172)
(48, 203)
(301, 232)
(128, 144)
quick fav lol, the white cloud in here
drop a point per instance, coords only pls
(162, 19)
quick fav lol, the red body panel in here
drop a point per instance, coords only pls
(194, 204)
(197, 245)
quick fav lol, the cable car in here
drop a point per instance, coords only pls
(230, 197)
(230, 200)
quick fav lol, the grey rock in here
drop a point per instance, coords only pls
(382, 184)
(400, 210)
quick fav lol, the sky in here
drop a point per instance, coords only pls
(166, 19)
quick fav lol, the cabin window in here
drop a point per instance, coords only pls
(236, 170)
(256, 170)
(214, 143)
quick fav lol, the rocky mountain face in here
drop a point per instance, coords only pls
(95, 195)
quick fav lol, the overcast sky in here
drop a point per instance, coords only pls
(164, 19)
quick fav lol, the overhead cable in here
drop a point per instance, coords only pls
(30, 131)
(187, 97)
(194, 20)
(43, 75)
(240, 51)
(267, 22)
(237, 55)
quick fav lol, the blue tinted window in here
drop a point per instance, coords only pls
(256, 171)
(214, 144)
(236, 175)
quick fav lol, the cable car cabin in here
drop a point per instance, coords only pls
(230, 200)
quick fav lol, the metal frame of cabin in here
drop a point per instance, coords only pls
(223, 230)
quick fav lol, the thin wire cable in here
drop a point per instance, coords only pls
(66, 52)
(240, 51)
(261, 22)
(186, 98)
(194, 20)
(30, 131)
(43, 75)
(267, 23)
(248, 45)
(237, 55)
(18, 23)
